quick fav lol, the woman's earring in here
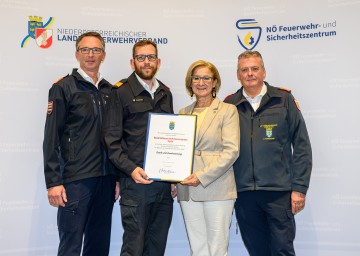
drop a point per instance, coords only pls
(213, 93)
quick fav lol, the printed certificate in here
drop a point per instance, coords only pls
(169, 151)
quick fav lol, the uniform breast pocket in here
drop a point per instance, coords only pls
(165, 107)
(84, 103)
(273, 124)
(105, 99)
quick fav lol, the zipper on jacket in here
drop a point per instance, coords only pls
(95, 107)
(102, 102)
(71, 147)
(251, 142)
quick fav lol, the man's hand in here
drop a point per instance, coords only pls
(173, 190)
(139, 176)
(297, 202)
(57, 196)
(192, 180)
(117, 190)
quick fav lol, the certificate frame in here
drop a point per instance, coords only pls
(170, 145)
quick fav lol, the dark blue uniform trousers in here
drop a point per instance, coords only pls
(266, 222)
(146, 213)
(87, 217)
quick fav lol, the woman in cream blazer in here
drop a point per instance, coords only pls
(207, 196)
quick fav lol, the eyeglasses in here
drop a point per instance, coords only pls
(142, 57)
(197, 79)
(253, 69)
(86, 50)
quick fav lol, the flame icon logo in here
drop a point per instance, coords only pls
(249, 33)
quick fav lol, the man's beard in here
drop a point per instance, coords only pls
(144, 75)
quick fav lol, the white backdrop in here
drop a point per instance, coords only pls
(322, 72)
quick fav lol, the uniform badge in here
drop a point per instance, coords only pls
(50, 107)
(269, 131)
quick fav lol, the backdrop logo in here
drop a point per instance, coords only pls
(42, 33)
(249, 33)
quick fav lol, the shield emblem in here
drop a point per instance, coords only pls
(268, 133)
(43, 37)
(50, 107)
(32, 26)
(249, 33)
(172, 125)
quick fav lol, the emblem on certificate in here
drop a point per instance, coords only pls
(170, 141)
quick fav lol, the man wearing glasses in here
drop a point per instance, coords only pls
(78, 174)
(146, 206)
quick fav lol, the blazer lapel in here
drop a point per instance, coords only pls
(189, 109)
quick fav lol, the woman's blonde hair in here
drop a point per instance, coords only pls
(197, 64)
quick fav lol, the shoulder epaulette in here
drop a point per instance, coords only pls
(228, 96)
(167, 87)
(61, 78)
(284, 89)
(118, 84)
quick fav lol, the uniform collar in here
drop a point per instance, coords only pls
(88, 78)
(259, 96)
(146, 86)
(270, 92)
(137, 87)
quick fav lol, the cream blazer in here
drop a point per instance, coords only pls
(216, 149)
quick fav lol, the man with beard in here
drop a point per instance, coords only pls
(146, 206)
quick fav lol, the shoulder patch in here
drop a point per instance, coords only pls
(118, 84)
(50, 107)
(284, 89)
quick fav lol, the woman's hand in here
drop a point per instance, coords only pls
(192, 180)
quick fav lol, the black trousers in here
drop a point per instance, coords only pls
(266, 222)
(146, 213)
(86, 217)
